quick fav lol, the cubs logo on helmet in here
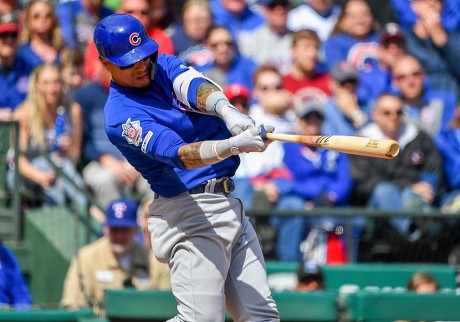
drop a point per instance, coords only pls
(134, 39)
(123, 40)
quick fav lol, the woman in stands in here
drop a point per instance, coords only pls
(50, 132)
(41, 38)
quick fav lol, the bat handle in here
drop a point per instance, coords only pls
(263, 133)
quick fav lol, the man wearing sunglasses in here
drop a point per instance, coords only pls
(13, 75)
(413, 181)
(431, 110)
(181, 133)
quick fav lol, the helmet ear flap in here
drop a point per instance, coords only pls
(153, 65)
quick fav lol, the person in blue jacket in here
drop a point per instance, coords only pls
(14, 291)
(319, 178)
(14, 75)
(355, 40)
(237, 16)
(345, 112)
(448, 143)
(179, 130)
(432, 36)
(228, 65)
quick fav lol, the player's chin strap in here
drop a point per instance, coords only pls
(153, 65)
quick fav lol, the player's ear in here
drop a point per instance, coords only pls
(105, 63)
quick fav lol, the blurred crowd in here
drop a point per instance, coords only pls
(314, 67)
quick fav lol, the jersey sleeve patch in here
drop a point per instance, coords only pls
(132, 131)
(147, 138)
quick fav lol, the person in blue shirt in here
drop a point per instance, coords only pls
(344, 111)
(432, 32)
(14, 291)
(13, 74)
(78, 18)
(319, 178)
(228, 65)
(356, 41)
(181, 133)
(431, 110)
(41, 39)
(236, 15)
(448, 143)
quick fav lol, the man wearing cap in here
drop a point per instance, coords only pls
(13, 75)
(270, 43)
(318, 178)
(113, 261)
(345, 112)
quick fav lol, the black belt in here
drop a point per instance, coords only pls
(225, 185)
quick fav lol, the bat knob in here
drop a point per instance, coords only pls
(263, 133)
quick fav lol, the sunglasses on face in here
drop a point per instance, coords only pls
(9, 35)
(402, 77)
(398, 113)
(219, 43)
(140, 12)
(266, 88)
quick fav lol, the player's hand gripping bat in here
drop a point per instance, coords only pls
(376, 148)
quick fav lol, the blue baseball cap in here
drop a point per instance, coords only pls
(122, 212)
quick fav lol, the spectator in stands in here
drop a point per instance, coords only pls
(270, 43)
(72, 71)
(189, 35)
(13, 74)
(12, 10)
(304, 80)
(392, 46)
(318, 178)
(239, 96)
(116, 260)
(228, 65)
(236, 16)
(309, 277)
(162, 14)
(41, 39)
(432, 31)
(78, 19)
(345, 112)
(273, 105)
(14, 292)
(429, 109)
(355, 40)
(140, 10)
(50, 124)
(448, 142)
(412, 181)
(317, 15)
(105, 171)
(423, 283)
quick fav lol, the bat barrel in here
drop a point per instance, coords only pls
(376, 148)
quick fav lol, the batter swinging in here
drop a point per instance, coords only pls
(181, 133)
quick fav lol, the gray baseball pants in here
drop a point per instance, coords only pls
(215, 258)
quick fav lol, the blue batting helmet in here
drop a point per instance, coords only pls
(123, 40)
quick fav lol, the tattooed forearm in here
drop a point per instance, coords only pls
(204, 90)
(190, 155)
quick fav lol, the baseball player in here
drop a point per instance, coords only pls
(180, 132)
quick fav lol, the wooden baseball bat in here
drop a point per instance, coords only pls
(376, 148)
